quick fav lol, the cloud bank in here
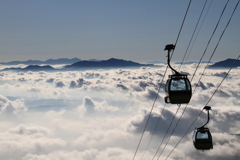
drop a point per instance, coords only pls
(101, 114)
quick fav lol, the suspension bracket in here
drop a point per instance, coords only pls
(169, 47)
(207, 108)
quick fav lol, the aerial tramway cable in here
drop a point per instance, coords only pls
(206, 66)
(205, 105)
(181, 26)
(153, 131)
(210, 39)
(185, 107)
(166, 131)
(192, 35)
(165, 105)
(199, 30)
(149, 114)
(161, 84)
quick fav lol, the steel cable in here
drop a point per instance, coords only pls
(205, 105)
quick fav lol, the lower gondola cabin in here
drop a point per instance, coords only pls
(202, 139)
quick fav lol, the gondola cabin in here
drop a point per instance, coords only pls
(178, 89)
(202, 139)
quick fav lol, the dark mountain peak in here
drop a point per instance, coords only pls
(118, 60)
(38, 68)
(114, 59)
(225, 63)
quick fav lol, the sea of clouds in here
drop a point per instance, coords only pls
(101, 114)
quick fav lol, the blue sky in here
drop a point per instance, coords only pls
(135, 30)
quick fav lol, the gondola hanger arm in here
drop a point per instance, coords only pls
(169, 48)
(207, 108)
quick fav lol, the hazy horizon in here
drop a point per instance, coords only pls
(92, 59)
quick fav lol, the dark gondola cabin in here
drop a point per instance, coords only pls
(178, 89)
(202, 139)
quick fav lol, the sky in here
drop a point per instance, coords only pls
(135, 30)
(100, 114)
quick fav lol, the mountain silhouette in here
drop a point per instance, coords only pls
(31, 68)
(49, 62)
(225, 64)
(38, 68)
(105, 63)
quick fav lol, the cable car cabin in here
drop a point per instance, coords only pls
(202, 139)
(178, 89)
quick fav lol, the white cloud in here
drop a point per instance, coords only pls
(90, 106)
(100, 114)
(27, 139)
(31, 131)
(12, 107)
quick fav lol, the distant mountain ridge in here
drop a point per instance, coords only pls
(38, 62)
(226, 64)
(101, 64)
(82, 65)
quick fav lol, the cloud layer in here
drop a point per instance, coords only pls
(101, 114)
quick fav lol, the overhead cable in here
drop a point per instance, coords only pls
(155, 128)
(149, 114)
(199, 30)
(161, 84)
(193, 34)
(205, 105)
(166, 131)
(209, 59)
(181, 26)
(210, 39)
